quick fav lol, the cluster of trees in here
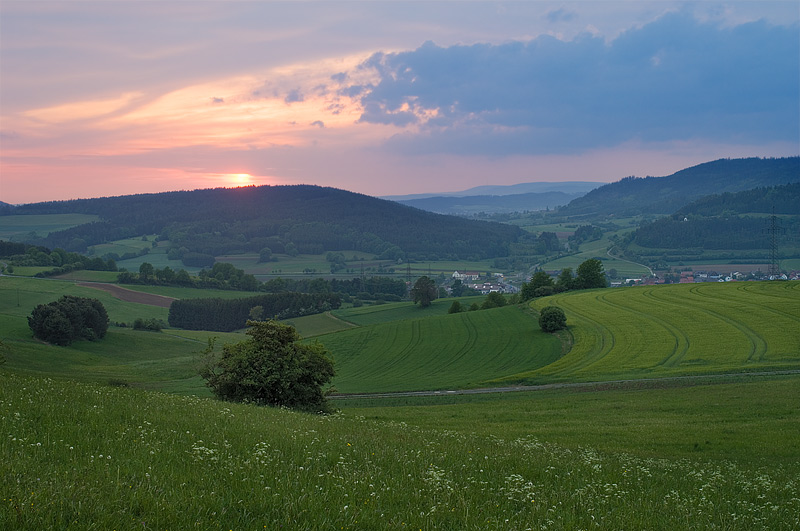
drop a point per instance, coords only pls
(21, 254)
(273, 368)
(69, 319)
(590, 274)
(493, 300)
(227, 315)
(221, 276)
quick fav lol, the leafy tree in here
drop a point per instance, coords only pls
(424, 291)
(265, 255)
(590, 275)
(552, 318)
(457, 288)
(565, 280)
(493, 300)
(455, 307)
(540, 279)
(68, 319)
(271, 368)
(146, 271)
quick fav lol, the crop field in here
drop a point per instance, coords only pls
(398, 311)
(85, 456)
(680, 329)
(43, 224)
(440, 352)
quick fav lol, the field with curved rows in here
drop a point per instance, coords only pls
(440, 352)
(680, 329)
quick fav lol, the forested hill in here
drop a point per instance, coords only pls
(665, 195)
(727, 221)
(309, 219)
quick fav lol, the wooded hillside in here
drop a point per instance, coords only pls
(306, 219)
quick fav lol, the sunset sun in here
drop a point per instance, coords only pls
(239, 179)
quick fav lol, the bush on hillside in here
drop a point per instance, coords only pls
(552, 319)
(271, 368)
(69, 319)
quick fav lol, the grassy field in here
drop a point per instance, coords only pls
(42, 225)
(92, 457)
(680, 329)
(440, 352)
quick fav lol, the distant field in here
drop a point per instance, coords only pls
(398, 311)
(42, 225)
(679, 329)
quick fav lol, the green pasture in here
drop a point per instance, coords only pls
(440, 352)
(398, 311)
(84, 456)
(645, 332)
(318, 324)
(12, 227)
(746, 419)
(127, 245)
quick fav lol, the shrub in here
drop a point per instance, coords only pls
(455, 307)
(68, 319)
(552, 318)
(271, 368)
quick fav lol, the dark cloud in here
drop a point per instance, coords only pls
(673, 79)
(318, 123)
(294, 96)
(217, 100)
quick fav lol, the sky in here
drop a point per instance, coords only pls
(114, 97)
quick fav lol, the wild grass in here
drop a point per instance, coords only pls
(90, 457)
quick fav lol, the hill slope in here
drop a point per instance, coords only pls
(665, 195)
(312, 219)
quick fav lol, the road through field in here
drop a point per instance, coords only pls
(672, 381)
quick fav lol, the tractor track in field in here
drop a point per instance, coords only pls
(640, 383)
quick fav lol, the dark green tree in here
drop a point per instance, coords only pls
(458, 288)
(540, 279)
(271, 368)
(455, 307)
(68, 319)
(494, 299)
(565, 280)
(424, 291)
(590, 275)
(552, 318)
(146, 271)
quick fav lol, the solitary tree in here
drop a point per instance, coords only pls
(271, 368)
(455, 307)
(424, 291)
(68, 319)
(590, 275)
(552, 318)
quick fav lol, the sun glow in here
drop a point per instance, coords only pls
(240, 179)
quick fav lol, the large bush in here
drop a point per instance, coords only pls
(68, 319)
(271, 368)
(552, 318)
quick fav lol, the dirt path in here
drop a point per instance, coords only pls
(129, 295)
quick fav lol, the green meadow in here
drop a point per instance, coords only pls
(85, 456)
(89, 441)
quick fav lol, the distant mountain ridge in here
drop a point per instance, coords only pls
(567, 187)
(473, 204)
(665, 195)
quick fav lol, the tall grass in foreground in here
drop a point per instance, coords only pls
(88, 457)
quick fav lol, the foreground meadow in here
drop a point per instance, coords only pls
(82, 456)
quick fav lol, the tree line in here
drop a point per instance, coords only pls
(227, 315)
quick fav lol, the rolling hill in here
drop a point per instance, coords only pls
(492, 203)
(308, 219)
(665, 195)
